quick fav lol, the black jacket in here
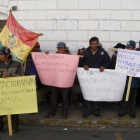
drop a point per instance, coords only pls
(100, 58)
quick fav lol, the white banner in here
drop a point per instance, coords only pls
(101, 86)
(128, 61)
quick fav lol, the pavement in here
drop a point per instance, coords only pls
(109, 117)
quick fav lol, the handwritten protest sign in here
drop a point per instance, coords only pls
(128, 61)
(101, 86)
(57, 70)
(18, 95)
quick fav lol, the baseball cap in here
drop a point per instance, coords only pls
(4, 50)
(131, 43)
(61, 45)
(81, 47)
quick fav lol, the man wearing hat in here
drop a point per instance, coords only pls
(9, 68)
(129, 107)
(60, 92)
(94, 57)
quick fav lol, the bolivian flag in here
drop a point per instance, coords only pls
(19, 40)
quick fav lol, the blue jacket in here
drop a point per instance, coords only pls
(101, 58)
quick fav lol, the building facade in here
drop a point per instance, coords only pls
(75, 21)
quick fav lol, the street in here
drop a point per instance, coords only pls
(69, 133)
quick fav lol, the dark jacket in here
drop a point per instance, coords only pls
(101, 58)
(135, 82)
(30, 69)
(13, 67)
(113, 61)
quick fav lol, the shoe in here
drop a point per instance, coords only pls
(64, 115)
(84, 116)
(121, 114)
(97, 114)
(49, 115)
(132, 116)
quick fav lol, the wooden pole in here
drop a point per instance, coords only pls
(128, 88)
(113, 49)
(41, 34)
(10, 125)
(10, 11)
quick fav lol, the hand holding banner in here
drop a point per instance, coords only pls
(18, 95)
(128, 61)
(57, 70)
(101, 86)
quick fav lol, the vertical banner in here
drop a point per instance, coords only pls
(57, 70)
(101, 86)
(128, 61)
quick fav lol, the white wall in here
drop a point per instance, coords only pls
(3, 9)
(76, 21)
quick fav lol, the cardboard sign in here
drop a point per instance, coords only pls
(128, 61)
(101, 86)
(57, 70)
(18, 95)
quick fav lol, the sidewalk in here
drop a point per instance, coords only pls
(109, 117)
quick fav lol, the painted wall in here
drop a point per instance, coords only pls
(76, 21)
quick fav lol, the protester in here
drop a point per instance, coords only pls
(80, 99)
(129, 107)
(9, 68)
(29, 67)
(114, 56)
(56, 91)
(94, 57)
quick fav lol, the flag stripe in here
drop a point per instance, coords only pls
(19, 40)
(18, 48)
(26, 36)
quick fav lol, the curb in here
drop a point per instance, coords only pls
(101, 122)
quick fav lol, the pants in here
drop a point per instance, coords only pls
(91, 107)
(54, 99)
(15, 121)
(129, 106)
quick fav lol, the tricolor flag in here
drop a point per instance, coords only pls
(19, 40)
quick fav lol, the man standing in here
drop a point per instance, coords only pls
(9, 68)
(129, 107)
(29, 67)
(94, 57)
(57, 92)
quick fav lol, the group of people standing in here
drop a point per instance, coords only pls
(94, 56)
